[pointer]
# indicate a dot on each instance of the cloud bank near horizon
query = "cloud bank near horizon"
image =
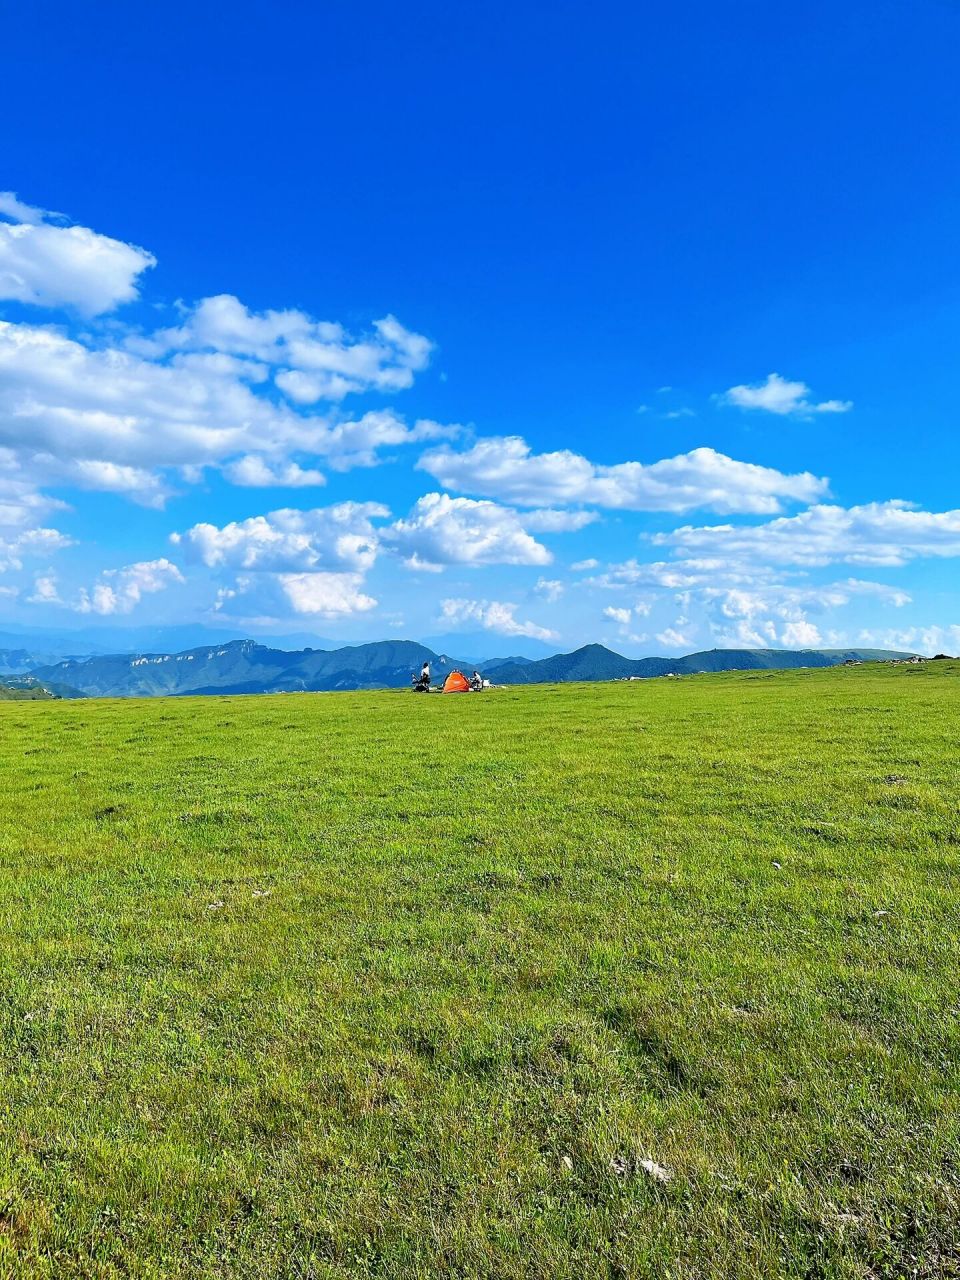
(99, 398)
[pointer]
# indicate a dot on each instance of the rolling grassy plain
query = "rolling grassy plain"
(379, 985)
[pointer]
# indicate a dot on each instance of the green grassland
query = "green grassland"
(379, 985)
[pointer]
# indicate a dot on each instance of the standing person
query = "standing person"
(476, 682)
(425, 675)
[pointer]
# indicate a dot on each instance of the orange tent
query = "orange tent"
(456, 682)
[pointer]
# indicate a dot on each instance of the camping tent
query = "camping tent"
(456, 682)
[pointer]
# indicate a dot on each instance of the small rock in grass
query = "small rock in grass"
(214, 906)
(778, 866)
(566, 1164)
(621, 1167)
(262, 893)
(656, 1171)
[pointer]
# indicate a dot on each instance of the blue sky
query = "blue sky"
(557, 323)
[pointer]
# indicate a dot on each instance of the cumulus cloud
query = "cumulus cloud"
(548, 520)
(922, 639)
(12, 207)
(116, 590)
(326, 538)
(252, 472)
(329, 595)
(781, 396)
(443, 530)
(64, 266)
(315, 359)
(672, 638)
(505, 468)
(550, 588)
(493, 615)
(33, 542)
(801, 635)
(45, 590)
(121, 421)
(20, 502)
(877, 533)
(622, 616)
(225, 387)
(633, 573)
(265, 599)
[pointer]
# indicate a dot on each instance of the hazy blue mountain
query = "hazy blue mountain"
(243, 666)
(595, 662)
(21, 660)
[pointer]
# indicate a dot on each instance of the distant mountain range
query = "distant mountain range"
(594, 662)
(243, 666)
(20, 660)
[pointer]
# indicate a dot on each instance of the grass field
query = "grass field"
(374, 985)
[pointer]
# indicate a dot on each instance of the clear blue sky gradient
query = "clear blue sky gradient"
(579, 205)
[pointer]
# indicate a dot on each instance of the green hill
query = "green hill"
(28, 693)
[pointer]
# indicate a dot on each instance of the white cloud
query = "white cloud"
(671, 638)
(790, 602)
(226, 387)
(443, 530)
(64, 405)
(329, 595)
(356, 443)
(548, 520)
(929, 640)
(269, 597)
(493, 615)
(337, 537)
(632, 573)
(878, 533)
(116, 591)
(505, 468)
(11, 207)
(315, 359)
(56, 266)
(778, 395)
(20, 502)
(744, 633)
(120, 590)
(33, 542)
(622, 616)
(584, 566)
(45, 590)
(252, 471)
(800, 635)
(550, 588)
